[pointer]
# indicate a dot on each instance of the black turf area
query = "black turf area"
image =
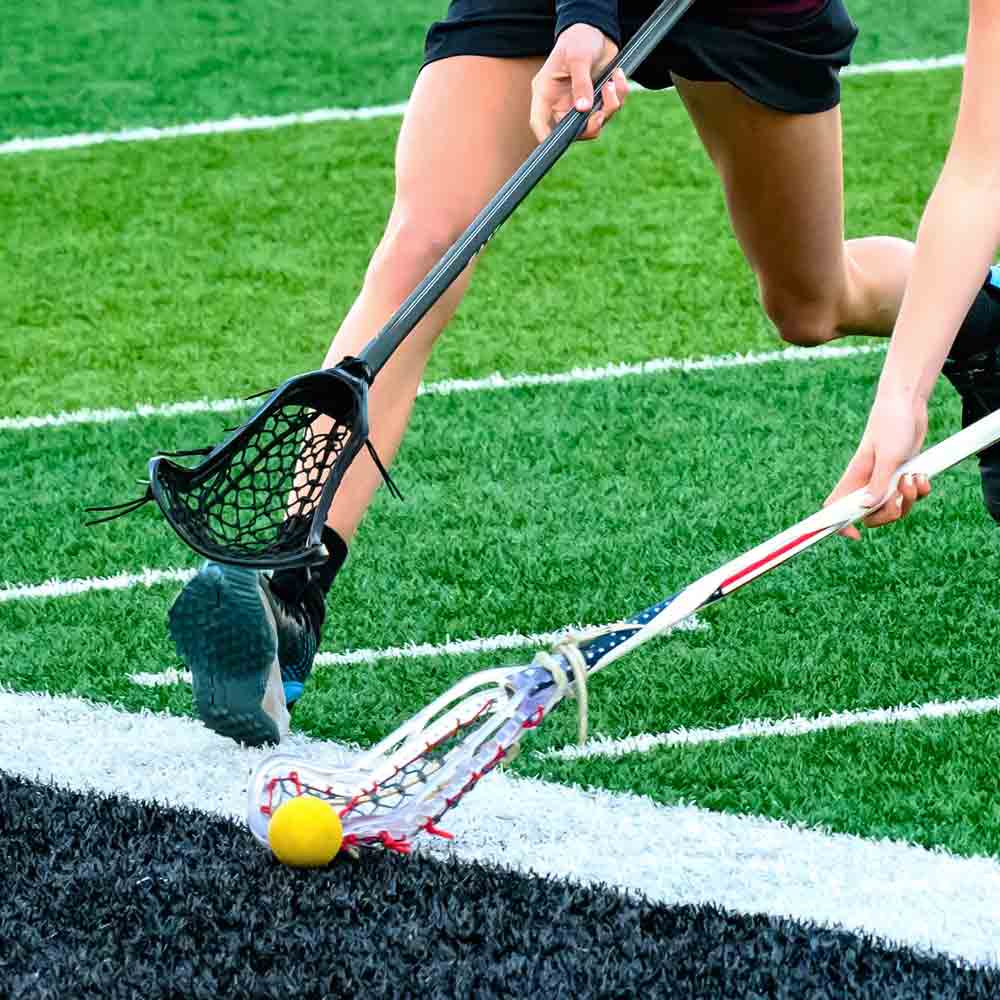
(105, 897)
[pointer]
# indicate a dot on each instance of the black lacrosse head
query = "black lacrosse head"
(260, 498)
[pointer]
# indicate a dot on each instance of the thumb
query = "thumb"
(582, 85)
(882, 479)
(857, 474)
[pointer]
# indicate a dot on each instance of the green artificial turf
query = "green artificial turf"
(118, 63)
(628, 491)
(218, 266)
(215, 266)
(931, 782)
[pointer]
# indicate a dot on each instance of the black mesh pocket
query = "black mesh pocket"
(260, 497)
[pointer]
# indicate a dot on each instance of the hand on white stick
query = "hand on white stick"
(896, 429)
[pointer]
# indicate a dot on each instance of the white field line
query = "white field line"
(670, 854)
(113, 414)
(414, 651)
(603, 746)
(445, 387)
(411, 651)
(71, 588)
(955, 61)
(256, 123)
(252, 123)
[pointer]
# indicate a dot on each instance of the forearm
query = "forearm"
(601, 14)
(956, 245)
(960, 230)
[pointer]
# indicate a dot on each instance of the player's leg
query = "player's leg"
(465, 133)
(783, 182)
(250, 640)
(772, 128)
(763, 92)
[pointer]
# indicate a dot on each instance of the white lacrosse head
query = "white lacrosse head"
(409, 780)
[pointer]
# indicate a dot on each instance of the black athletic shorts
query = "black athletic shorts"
(786, 61)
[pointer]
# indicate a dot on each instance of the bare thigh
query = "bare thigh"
(782, 175)
(464, 133)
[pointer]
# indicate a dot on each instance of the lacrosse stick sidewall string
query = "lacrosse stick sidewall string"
(575, 688)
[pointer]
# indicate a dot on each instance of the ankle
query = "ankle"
(290, 583)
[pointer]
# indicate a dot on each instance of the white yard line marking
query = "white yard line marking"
(603, 746)
(495, 382)
(71, 588)
(253, 123)
(413, 651)
(113, 414)
(257, 123)
(671, 854)
(955, 61)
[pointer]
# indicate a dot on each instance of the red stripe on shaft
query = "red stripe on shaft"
(769, 558)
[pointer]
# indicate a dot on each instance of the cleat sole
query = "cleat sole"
(224, 632)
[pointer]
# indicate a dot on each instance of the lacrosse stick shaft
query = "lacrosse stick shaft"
(515, 190)
(851, 508)
(614, 641)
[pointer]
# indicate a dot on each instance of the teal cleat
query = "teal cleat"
(249, 651)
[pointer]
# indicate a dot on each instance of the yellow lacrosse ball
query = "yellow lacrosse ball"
(305, 832)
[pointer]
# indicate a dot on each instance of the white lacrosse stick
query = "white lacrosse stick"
(406, 783)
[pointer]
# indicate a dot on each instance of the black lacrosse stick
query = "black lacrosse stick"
(261, 497)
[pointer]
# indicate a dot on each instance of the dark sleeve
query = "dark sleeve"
(601, 14)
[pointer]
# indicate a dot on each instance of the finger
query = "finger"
(908, 495)
(613, 94)
(621, 85)
(883, 479)
(540, 117)
(856, 475)
(580, 83)
(889, 511)
(611, 101)
(539, 125)
(594, 125)
(880, 483)
(914, 489)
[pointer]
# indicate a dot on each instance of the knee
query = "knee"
(800, 319)
(412, 245)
